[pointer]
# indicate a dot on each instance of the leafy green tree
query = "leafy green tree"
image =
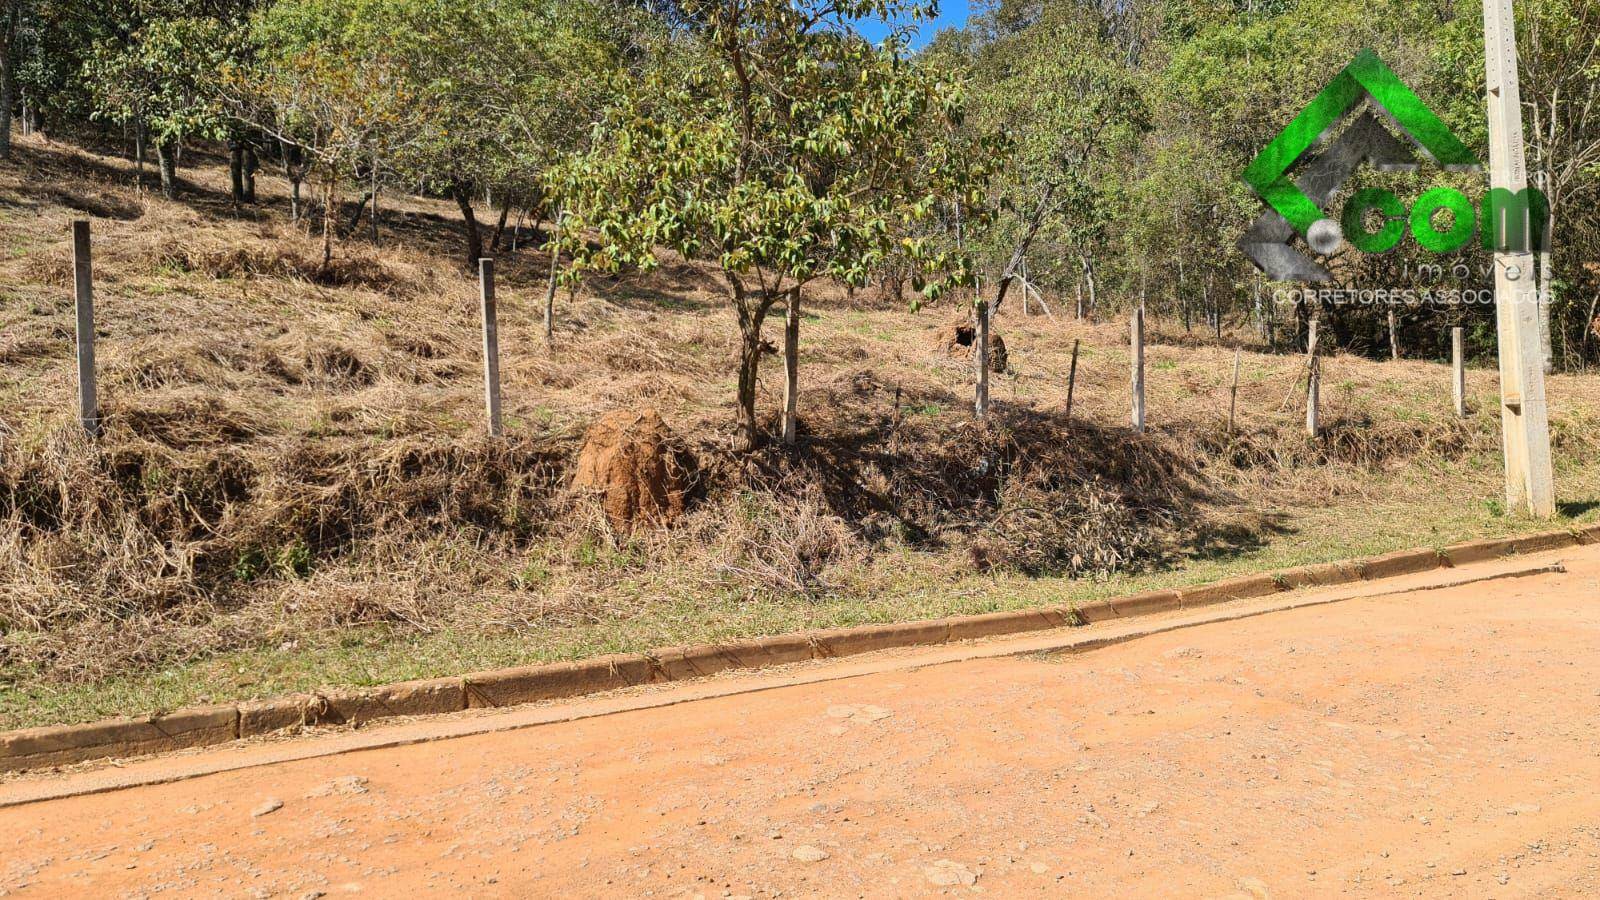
(465, 96)
(312, 84)
(1071, 108)
(161, 81)
(1558, 43)
(783, 147)
(500, 89)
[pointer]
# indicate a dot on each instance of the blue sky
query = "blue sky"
(952, 14)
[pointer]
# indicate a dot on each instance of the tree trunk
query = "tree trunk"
(462, 192)
(361, 209)
(500, 228)
(1216, 310)
(1094, 294)
(1258, 313)
(8, 73)
(751, 312)
(1546, 273)
(328, 213)
(749, 361)
(1394, 336)
(167, 161)
(750, 319)
(251, 163)
(372, 220)
(550, 290)
(294, 170)
(791, 367)
(1183, 298)
(236, 172)
(138, 156)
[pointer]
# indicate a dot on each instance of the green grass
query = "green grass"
(903, 588)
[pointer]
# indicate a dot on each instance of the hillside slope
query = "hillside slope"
(294, 488)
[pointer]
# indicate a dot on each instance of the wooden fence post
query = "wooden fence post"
(1136, 347)
(491, 344)
(1072, 379)
(1458, 362)
(1233, 392)
(83, 283)
(980, 353)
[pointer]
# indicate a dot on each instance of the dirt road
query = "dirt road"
(1443, 742)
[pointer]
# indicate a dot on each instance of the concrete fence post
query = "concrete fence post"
(491, 345)
(1458, 362)
(1136, 351)
(83, 283)
(1313, 380)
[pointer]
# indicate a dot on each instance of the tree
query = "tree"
(10, 58)
(784, 147)
(315, 85)
(161, 81)
(1558, 45)
(466, 96)
(1071, 110)
(502, 89)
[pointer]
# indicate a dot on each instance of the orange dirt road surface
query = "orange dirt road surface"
(1437, 742)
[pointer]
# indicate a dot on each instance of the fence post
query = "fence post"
(980, 353)
(1136, 342)
(1233, 392)
(1072, 379)
(1458, 361)
(83, 283)
(491, 344)
(1313, 378)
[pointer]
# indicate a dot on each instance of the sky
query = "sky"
(952, 14)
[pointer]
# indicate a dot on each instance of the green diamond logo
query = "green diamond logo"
(1366, 77)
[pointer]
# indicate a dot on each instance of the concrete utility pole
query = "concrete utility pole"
(1524, 419)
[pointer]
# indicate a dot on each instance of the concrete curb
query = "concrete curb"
(203, 726)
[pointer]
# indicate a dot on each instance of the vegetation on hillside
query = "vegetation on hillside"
(293, 464)
(1124, 126)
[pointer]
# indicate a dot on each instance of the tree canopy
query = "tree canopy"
(783, 147)
(1066, 145)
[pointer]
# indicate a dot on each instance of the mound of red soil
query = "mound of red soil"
(633, 463)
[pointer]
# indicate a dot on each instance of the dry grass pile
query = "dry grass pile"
(174, 518)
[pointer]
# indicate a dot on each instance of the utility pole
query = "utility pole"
(1524, 419)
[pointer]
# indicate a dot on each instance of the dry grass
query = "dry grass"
(292, 452)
